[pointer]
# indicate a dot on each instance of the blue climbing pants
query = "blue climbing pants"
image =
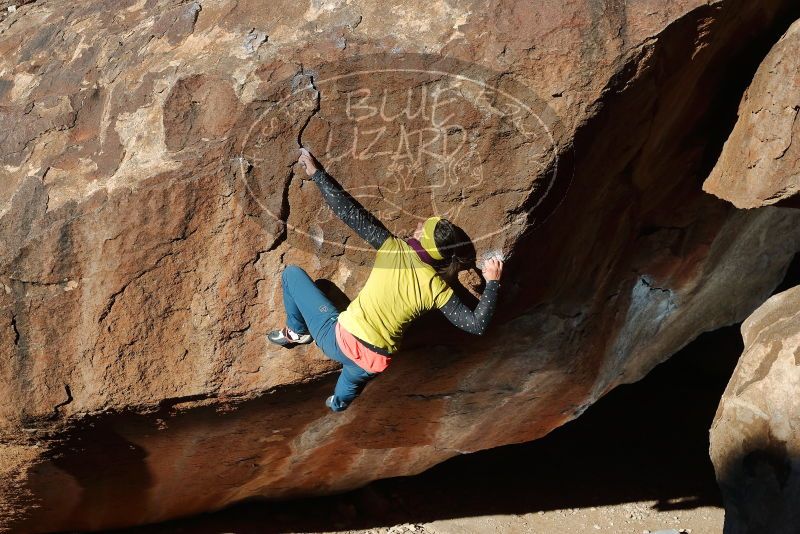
(309, 311)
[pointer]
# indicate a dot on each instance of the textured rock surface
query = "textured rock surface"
(148, 202)
(755, 437)
(760, 163)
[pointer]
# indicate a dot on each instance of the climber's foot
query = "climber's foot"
(335, 408)
(285, 337)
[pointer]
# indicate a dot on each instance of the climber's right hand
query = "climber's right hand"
(308, 162)
(492, 269)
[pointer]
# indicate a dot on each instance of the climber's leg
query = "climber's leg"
(351, 382)
(308, 310)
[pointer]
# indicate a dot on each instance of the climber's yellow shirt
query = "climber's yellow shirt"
(400, 288)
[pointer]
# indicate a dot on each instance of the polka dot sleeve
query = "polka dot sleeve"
(473, 322)
(350, 211)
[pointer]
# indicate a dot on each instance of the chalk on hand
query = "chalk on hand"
(492, 254)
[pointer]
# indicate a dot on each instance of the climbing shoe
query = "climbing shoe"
(339, 407)
(286, 338)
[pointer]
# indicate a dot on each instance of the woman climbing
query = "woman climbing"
(408, 278)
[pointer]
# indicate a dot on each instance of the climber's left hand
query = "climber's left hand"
(308, 162)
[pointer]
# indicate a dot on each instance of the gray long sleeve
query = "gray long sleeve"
(475, 322)
(350, 211)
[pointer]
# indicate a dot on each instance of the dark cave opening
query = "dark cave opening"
(792, 276)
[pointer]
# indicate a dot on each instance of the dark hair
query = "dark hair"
(455, 247)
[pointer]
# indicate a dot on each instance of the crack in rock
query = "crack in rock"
(62, 404)
(316, 102)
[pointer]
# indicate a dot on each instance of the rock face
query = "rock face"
(760, 163)
(755, 437)
(148, 203)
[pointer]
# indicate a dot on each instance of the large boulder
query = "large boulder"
(760, 162)
(148, 203)
(755, 437)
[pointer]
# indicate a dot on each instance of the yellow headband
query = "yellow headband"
(427, 240)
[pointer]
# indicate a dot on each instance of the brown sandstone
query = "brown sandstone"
(754, 444)
(760, 163)
(148, 203)
(755, 440)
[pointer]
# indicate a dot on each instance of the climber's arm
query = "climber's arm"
(350, 211)
(343, 205)
(474, 322)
